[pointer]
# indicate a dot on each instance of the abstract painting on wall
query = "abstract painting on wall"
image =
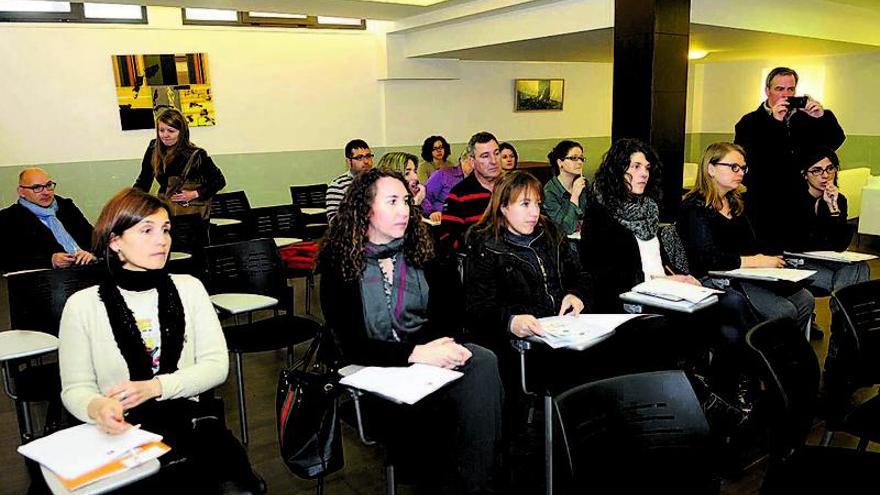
(538, 94)
(148, 84)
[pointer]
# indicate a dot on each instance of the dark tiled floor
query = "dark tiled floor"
(364, 472)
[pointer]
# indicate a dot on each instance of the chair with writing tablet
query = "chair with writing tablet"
(310, 199)
(245, 277)
(229, 214)
(854, 363)
(638, 433)
(189, 236)
(30, 368)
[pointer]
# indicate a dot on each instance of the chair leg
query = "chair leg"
(548, 444)
(390, 481)
(242, 409)
(863, 444)
(310, 282)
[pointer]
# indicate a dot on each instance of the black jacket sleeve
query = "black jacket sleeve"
(487, 316)
(574, 279)
(827, 231)
(144, 180)
(610, 258)
(704, 252)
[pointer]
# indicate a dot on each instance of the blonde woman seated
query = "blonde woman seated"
(140, 347)
(405, 165)
(717, 235)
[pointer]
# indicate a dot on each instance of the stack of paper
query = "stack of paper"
(580, 331)
(673, 295)
(407, 385)
(769, 274)
(838, 256)
(83, 454)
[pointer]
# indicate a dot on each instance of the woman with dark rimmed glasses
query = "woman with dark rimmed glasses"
(717, 235)
(820, 223)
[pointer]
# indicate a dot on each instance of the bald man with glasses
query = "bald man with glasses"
(43, 230)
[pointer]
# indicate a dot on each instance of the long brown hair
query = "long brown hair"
(343, 246)
(124, 210)
(507, 190)
(705, 185)
(163, 155)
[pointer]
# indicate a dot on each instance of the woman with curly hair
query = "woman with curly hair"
(376, 266)
(187, 176)
(435, 153)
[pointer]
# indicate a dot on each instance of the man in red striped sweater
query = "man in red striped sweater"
(469, 198)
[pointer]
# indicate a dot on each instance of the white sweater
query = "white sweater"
(91, 362)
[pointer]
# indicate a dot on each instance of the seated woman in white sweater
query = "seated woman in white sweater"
(141, 346)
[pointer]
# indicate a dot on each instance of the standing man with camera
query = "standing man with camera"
(774, 135)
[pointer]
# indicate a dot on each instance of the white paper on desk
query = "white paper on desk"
(672, 290)
(408, 385)
(579, 331)
(840, 256)
(773, 274)
(74, 451)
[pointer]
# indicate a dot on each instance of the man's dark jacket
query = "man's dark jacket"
(29, 244)
(774, 179)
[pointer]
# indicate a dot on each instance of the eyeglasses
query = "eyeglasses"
(358, 158)
(576, 158)
(38, 188)
(817, 171)
(734, 167)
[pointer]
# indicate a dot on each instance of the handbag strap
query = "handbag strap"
(190, 162)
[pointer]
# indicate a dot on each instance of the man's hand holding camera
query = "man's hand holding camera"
(807, 103)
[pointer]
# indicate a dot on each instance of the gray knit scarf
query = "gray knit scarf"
(641, 216)
(403, 311)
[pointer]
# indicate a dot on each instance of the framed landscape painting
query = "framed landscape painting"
(538, 94)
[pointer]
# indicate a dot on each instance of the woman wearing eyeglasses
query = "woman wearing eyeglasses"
(186, 174)
(820, 223)
(435, 153)
(566, 194)
(717, 235)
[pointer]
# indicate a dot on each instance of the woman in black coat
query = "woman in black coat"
(185, 172)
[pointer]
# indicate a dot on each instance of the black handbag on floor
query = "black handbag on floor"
(307, 416)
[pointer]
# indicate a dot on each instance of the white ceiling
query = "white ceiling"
(723, 44)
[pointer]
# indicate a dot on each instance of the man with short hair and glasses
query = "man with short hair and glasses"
(45, 230)
(820, 223)
(773, 135)
(359, 158)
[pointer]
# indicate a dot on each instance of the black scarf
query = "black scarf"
(125, 331)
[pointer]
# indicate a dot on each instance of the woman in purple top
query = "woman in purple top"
(440, 183)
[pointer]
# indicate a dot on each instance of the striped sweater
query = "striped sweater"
(335, 192)
(464, 206)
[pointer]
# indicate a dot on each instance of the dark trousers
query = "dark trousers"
(449, 439)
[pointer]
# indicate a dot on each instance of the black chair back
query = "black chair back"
(231, 205)
(275, 221)
(310, 196)
(37, 299)
(189, 233)
(855, 329)
(252, 267)
(789, 374)
(636, 433)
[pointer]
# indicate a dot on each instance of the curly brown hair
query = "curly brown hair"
(342, 249)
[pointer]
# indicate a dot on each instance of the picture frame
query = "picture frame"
(531, 95)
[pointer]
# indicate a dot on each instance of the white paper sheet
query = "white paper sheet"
(672, 290)
(580, 331)
(407, 385)
(771, 274)
(839, 256)
(74, 451)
